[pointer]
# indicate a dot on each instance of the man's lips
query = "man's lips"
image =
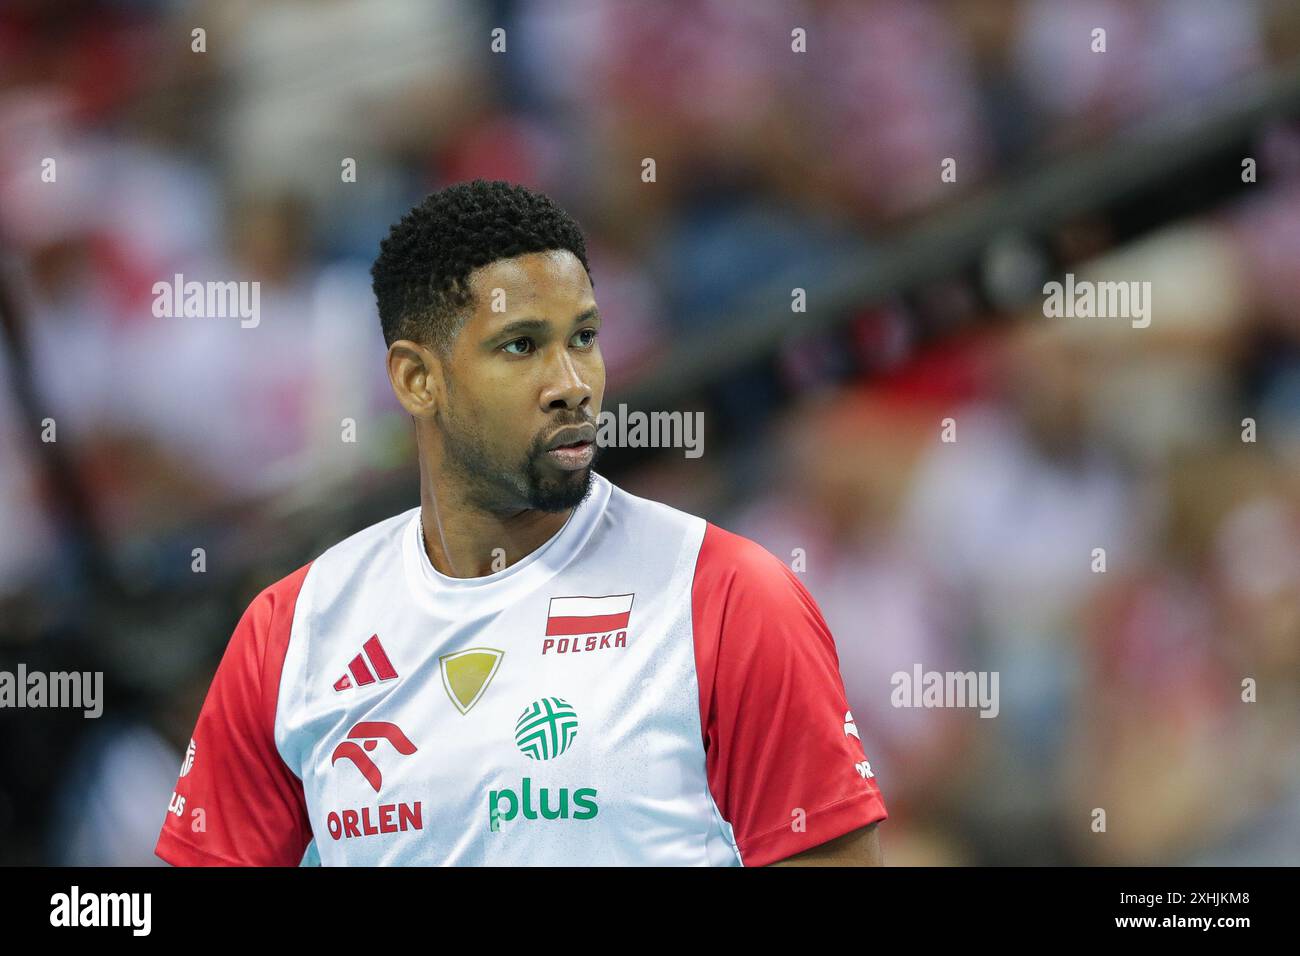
(573, 457)
(573, 447)
(572, 436)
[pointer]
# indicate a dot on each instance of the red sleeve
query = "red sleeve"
(778, 735)
(236, 802)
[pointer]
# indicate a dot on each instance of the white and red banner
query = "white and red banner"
(588, 615)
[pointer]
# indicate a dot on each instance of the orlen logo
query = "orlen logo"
(388, 817)
(392, 817)
(371, 732)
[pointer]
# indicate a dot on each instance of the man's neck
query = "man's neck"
(465, 542)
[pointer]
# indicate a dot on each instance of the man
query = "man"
(533, 666)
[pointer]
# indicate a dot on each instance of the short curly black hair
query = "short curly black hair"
(421, 275)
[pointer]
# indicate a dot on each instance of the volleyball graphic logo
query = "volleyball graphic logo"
(546, 728)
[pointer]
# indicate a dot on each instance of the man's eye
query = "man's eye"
(592, 333)
(517, 342)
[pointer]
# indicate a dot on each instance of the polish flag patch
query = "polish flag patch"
(370, 665)
(568, 616)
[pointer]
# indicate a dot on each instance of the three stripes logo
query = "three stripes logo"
(546, 728)
(359, 673)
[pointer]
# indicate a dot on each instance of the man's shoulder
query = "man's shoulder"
(722, 553)
(649, 515)
(380, 536)
(736, 570)
(353, 554)
(723, 549)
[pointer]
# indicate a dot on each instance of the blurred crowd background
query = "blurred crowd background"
(1120, 690)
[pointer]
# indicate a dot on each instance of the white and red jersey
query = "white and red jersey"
(645, 688)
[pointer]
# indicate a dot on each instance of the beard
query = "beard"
(506, 487)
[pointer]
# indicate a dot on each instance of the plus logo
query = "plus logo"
(370, 732)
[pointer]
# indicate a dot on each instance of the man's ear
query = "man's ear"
(415, 371)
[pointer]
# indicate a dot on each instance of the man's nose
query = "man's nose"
(566, 385)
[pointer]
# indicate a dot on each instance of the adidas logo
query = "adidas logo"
(359, 674)
(850, 728)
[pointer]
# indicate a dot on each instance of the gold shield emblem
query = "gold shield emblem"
(466, 674)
